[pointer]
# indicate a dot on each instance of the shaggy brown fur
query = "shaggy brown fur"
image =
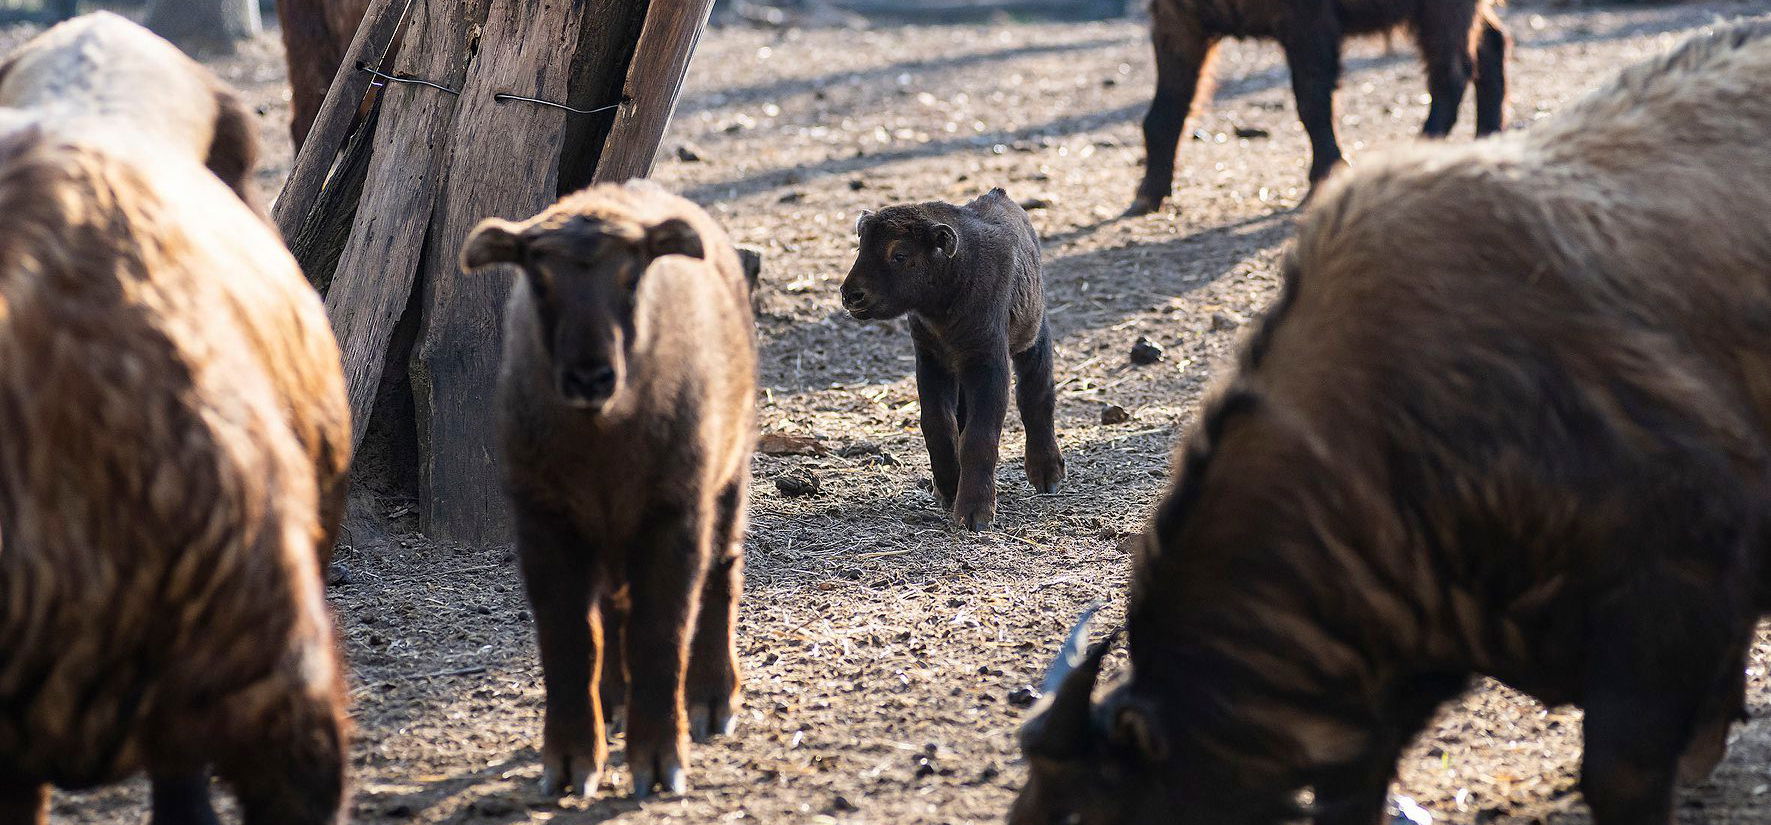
(627, 407)
(101, 79)
(1459, 39)
(104, 81)
(316, 34)
(969, 277)
(168, 383)
(1511, 417)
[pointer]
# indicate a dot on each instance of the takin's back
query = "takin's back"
(1622, 238)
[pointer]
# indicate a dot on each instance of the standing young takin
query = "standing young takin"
(1460, 40)
(969, 277)
(1510, 417)
(626, 418)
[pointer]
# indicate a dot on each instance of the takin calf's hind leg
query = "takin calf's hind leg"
(1491, 75)
(713, 682)
(1036, 396)
(1444, 36)
(666, 568)
(1313, 52)
(612, 612)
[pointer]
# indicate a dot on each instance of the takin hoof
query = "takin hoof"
(975, 516)
(944, 498)
(1707, 749)
(1046, 473)
(656, 769)
(1144, 205)
(570, 771)
(710, 719)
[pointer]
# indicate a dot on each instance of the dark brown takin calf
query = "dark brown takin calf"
(1512, 417)
(969, 278)
(626, 419)
(1459, 39)
(173, 431)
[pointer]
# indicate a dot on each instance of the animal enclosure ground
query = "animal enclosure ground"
(883, 650)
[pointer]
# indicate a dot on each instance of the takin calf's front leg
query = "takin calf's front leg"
(983, 387)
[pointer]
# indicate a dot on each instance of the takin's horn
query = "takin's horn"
(1072, 653)
(1062, 727)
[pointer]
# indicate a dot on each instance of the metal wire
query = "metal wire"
(503, 96)
(391, 78)
(500, 96)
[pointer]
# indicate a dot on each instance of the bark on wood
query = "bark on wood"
(660, 61)
(376, 271)
(315, 160)
(501, 161)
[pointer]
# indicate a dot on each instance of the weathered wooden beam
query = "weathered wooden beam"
(599, 78)
(380, 263)
(320, 241)
(313, 164)
(654, 78)
(501, 160)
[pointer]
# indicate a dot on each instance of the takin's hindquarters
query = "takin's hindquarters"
(161, 604)
(627, 406)
(1460, 41)
(1511, 417)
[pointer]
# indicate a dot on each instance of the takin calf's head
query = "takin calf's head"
(906, 252)
(584, 273)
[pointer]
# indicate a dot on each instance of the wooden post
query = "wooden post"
(503, 162)
(653, 80)
(380, 263)
(313, 164)
(442, 160)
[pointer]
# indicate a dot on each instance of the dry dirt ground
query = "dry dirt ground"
(881, 647)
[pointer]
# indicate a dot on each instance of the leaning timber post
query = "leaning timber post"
(478, 137)
(502, 160)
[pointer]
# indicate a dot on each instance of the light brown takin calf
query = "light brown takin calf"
(1511, 417)
(626, 419)
(173, 437)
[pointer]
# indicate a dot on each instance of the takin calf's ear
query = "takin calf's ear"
(946, 240)
(494, 241)
(674, 236)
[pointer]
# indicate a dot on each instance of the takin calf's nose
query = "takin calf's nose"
(853, 295)
(588, 384)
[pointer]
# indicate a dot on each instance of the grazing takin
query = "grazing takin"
(1510, 417)
(626, 422)
(316, 34)
(1459, 39)
(172, 425)
(969, 278)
